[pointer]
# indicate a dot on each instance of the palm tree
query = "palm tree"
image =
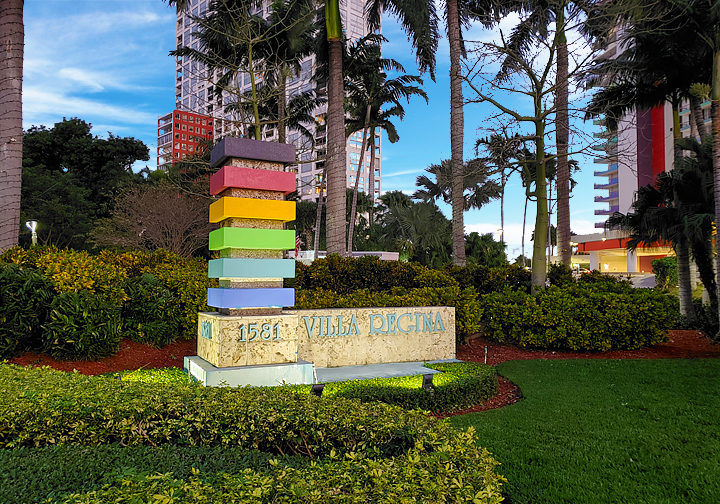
(335, 161)
(12, 37)
(481, 189)
(368, 91)
(420, 20)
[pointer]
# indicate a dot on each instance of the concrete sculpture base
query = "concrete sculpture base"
(268, 375)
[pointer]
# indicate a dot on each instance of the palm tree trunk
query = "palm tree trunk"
(684, 287)
(703, 260)
(522, 242)
(12, 37)
(562, 128)
(503, 180)
(715, 110)
(318, 216)
(372, 177)
(456, 134)
(282, 97)
(697, 116)
(336, 204)
(539, 264)
(353, 207)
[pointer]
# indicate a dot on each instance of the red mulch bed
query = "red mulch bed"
(682, 345)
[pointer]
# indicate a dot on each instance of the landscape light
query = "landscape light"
(317, 389)
(32, 226)
(427, 381)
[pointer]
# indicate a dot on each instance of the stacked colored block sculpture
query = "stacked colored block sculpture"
(249, 327)
(251, 211)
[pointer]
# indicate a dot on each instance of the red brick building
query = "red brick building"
(182, 134)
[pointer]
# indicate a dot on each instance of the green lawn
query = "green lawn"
(595, 431)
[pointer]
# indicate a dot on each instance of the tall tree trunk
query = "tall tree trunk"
(682, 250)
(703, 259)
(562, 133)
(696, 116)
(539, 264)
(353, 207)
(282, 98)
(456, 134)
(336, 197)
(503, 180)
(372, 177)
(522, 242)
(715, 113)
(684, 287)
(12, 40)
(318, 216)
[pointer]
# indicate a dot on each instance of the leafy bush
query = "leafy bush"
(42, 407)
(152, 314)
(451, 469)
(601, 317)
(560, 274)
(459, 386)
(189, 281)
(436, 279)
(707, 320)
(596, 277)
(73, 271)
(82, 326)
(467, 308)
(666, 273)
(347, 274)
(25, 298)
(33, 475)
(486, 280)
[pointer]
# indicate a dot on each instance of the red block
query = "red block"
(249, 178)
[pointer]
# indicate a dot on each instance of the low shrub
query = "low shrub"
(486, 280)
(600, 317)
(25, 299)
(707, 320)
(450, 468)
(467, 308)
(436, 279)
(42, 407)
(189, 282)
(36, 475)
(347, 274)
(666, 273)
(560, 274)
(82, 326)
(459, 386)
(152, 314)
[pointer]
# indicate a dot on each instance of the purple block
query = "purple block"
(231, 147)
(250, 298)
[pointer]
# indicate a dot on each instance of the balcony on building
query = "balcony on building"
(610, 184)
(164, 140)
(608, 211)
(612, 170)
(610, 197)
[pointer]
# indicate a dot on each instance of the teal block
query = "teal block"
(251, 268)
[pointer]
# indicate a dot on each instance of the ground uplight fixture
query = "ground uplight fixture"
(32, 226)
(427, 381)
(317, 389)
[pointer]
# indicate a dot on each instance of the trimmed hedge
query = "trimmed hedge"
(467, 308)
(344, 450)
(152, 314)
(42, 407)
(450, 468)
(603, 316)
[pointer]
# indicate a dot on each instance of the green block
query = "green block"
(249, 238)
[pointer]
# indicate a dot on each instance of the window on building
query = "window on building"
(177, 116)
(177, 125)
(191, 148)
(306, 70)
(307, 167)
(177, 136)
(184, 127)
(184, 146)
(177, 145)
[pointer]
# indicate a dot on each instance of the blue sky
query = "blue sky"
(106, 61)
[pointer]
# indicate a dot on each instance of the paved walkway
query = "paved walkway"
(368, 371)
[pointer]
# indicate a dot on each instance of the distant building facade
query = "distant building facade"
(194, 94)
(182, 134)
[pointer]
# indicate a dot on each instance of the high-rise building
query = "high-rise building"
(182, 134)
(194, 93)
(631, 156)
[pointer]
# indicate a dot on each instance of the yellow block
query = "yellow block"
(248, 208)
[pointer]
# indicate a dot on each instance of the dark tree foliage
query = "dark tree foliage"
(70, 177)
